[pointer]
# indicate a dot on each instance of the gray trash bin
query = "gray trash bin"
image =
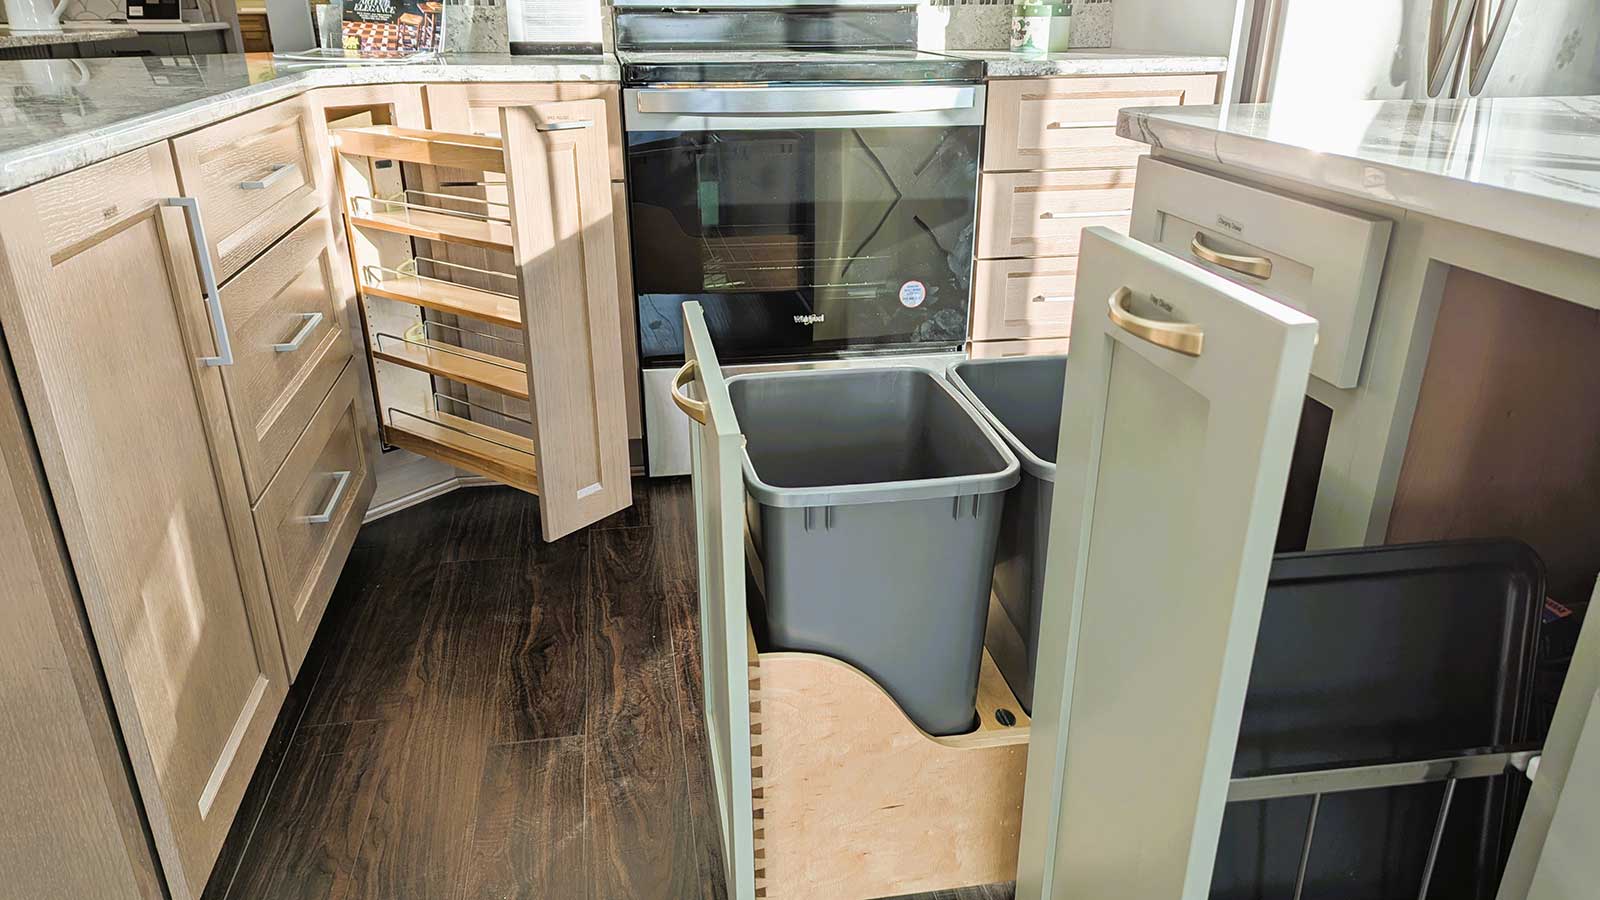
(1021, 397)
(875, 498)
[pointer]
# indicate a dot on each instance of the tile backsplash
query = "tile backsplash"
(986, 24)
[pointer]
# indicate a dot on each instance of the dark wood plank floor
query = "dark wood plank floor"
(484, 715)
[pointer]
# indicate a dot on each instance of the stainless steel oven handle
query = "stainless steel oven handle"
(805, 100)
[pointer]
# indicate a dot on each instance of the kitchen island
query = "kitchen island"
(1468, 402)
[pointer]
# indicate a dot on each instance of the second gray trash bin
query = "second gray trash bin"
(1021, 397)
(875, 500)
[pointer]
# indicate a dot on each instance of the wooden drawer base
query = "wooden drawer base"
(852, 800)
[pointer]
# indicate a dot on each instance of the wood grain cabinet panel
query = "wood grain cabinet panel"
(1027, 214)
(309, 515)
(475, 108)
(1023, 298)
(104, 318)
(255, 175)
(286, 312)
(1071, 123)
(1003, 349)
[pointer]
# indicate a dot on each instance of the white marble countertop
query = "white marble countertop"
(71, 33)
(60, 115)
(1528, 167)
(1106, 61)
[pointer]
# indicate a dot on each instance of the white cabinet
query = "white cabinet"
(1183, 394)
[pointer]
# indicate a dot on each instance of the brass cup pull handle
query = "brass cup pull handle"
(1179, 337)
(1254, 266)
(698, 410)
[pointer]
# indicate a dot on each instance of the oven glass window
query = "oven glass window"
(806, 242)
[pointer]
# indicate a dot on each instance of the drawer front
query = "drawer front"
(308, 517)
(1003, 349)
(1029, 214)
(1023, 298)
(286, 315)
(1325, 261)
(255, 176)
(1068, 123)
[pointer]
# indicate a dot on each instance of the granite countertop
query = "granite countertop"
(70, 34)
(1108, 61)
(61, 115)
(1527, 167)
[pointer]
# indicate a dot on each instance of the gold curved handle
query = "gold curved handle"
(698, 410)
(1254, 266)
(1179, 337)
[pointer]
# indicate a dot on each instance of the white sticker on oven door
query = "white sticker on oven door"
(912, 293)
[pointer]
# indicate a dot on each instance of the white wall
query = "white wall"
(1183, 26)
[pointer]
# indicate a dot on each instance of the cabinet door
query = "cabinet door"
(105, 320)
(716, 451)
(475, 108)
(1177, 428)
(566, 256)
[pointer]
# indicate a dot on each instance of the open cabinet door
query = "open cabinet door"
(559, 192)
(1556, 855)
(716, 455)
(1179, 419)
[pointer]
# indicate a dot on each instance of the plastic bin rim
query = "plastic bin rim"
(1038, 467)
(995, 482)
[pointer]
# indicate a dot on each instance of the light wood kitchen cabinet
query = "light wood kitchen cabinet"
(475, 109)
(1017, 299)
(1033, 214)
(108, 328)
(1071, 123)
(309, 516)
(256, 176)
(287, 313)
(75, 817)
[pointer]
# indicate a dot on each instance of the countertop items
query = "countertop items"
(1524, 167)
(53, 120)
(69, 34)
(1106, 61)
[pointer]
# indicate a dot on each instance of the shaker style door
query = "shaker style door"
(1183, 395)
(717, 453)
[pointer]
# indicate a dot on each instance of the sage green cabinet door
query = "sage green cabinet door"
(1183, 396)
(716, 456)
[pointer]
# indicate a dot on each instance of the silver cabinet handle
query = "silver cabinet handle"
(279, 172)
(312, 320)
(1040, 298)
(566, 126)
(326, 516)
(208, 280)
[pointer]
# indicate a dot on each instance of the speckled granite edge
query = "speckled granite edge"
(36, 162)
(10, 40)
(1005, 64)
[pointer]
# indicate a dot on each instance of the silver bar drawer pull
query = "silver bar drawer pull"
(279, 172)
(1040, 298)
(566, 126)
(326, 516)
(208, 280)
(312, 320)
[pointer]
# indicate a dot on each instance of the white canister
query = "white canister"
(1041, 27)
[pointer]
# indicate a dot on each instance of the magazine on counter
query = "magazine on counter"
(393, 28)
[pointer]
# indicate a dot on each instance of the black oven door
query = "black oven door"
(808, 221)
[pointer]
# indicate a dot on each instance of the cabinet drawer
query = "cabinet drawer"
(1002, 349)
(1069, 123)
(255, 176)
(1322, 260)
(308, 517)
(475, 108)
(1023, 298)
(1029, 214)
(286, 315)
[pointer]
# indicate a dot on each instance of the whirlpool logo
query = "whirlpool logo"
(810, 319)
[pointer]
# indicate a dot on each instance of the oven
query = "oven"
(812, 222)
